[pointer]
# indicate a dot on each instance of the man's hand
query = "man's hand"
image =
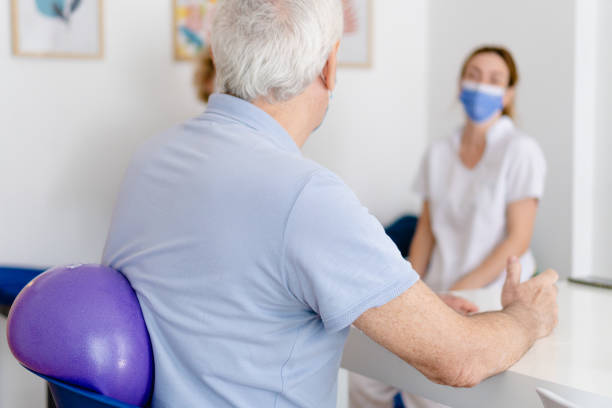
(458, 304)
(533, 302)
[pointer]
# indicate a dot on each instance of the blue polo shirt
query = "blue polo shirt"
(250, 262)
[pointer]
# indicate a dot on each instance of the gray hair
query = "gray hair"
(273, 49)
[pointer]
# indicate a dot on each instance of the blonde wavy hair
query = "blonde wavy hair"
(204, 78)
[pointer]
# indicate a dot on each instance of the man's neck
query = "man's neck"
(291, 115)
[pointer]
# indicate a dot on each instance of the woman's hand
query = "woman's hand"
(467, 282)
(458, 304)
(472, 280)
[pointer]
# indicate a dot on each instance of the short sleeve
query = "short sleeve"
(337, 258)
(526, 170)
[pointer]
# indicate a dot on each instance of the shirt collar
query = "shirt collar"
(253, 117)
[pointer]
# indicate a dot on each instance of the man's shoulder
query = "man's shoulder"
(152, 145)
(255, 161)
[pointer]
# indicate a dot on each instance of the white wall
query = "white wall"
(602, 237)
(70, 126)
(375, 132)
(585, 135)
(541, 36)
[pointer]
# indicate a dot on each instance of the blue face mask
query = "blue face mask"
(331, 96)
(481, 101)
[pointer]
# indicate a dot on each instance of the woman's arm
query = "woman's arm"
(420, 253)
(422, 243)
(520, 219)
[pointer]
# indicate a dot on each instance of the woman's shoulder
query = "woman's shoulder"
(520, 142)
(522, 147)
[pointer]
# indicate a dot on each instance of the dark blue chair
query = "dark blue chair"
(68, 396)
(401, 232)
(12, 280)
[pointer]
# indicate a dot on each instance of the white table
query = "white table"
(575, 362)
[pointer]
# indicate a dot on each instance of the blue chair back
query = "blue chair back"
(68, 396)
(12, 280)
(401, 232)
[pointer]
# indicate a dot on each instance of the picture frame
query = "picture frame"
(58, 28)
(356, 47)
(191, 25)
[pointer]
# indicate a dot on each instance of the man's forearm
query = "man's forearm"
(457, 350)
(502, 338)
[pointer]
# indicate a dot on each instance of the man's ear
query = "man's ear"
(329, 71)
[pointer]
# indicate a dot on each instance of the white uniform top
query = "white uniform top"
(468, 206)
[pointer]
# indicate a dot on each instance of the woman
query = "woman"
(481, 188)
(204, 78)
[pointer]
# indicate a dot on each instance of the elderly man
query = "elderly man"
(251, 262)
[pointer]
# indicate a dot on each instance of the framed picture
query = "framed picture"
(57, 28)
(192, 25)
(356, 46)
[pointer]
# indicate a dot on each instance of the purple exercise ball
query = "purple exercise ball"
(83, 325)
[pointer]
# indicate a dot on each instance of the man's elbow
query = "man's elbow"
(461, 374)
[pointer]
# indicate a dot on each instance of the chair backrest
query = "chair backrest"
(13, 279)
(70, 396)
(401, 232)
(81, 327)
